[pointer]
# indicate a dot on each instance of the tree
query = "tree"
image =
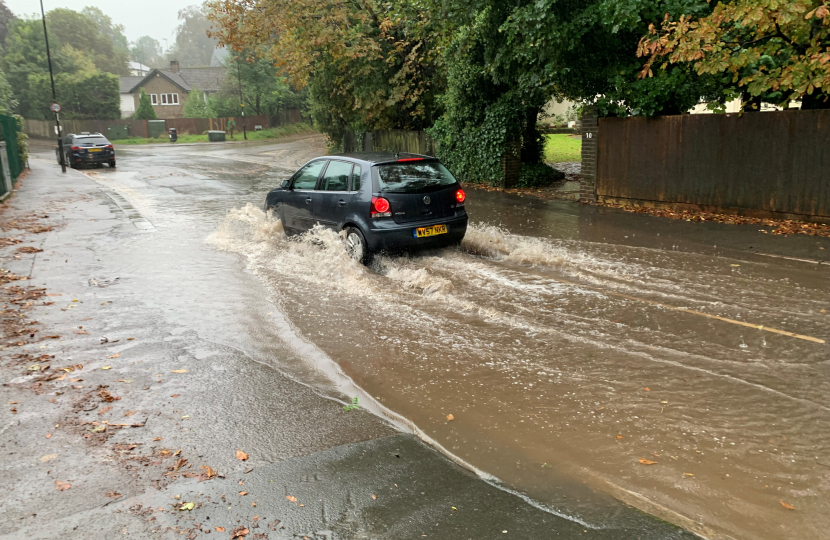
(770, 51)
(145, 109)
(83, 33)
(367, 64)
(6, 17)
(193, 47)
(114, 32)
(8, 104)
(147, 51)
(196, 105)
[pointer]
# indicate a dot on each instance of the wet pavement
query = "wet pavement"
(574, 357)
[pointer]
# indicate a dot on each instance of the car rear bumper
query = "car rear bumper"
(400, 237)
(93, 158)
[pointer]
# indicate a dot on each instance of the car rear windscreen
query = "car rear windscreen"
(414, 177)
(91, 141)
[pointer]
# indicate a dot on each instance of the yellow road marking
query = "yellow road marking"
(707, 315)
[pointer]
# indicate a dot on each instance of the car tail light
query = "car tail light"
(76, 148)
(108, 147)
(460, 196)
(411, 159)
(380, 207)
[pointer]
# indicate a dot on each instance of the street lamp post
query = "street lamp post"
(241, 99)
(55, 107)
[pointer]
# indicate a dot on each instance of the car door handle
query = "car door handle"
(341, 202)
(308, 200)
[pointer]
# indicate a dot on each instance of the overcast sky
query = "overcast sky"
(156, 18)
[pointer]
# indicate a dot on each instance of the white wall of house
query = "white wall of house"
(127, 105)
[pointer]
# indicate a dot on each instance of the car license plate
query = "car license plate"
(94, 149)
(423, 232)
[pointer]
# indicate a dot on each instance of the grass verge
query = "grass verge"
(561, 148)
(272, 133)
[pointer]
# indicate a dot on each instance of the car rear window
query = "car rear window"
(91, 141)
(414, 177)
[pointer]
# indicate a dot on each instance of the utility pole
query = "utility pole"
(55, 107)
(241, 98)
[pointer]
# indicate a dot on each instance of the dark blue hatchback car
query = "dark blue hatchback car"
(383, 201)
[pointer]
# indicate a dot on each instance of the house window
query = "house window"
(170, 99)
(154, 99)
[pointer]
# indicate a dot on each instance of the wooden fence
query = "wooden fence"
(773, 162)
(390, 140)
(45, 129)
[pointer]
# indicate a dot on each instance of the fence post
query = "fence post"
(590, 143)
(511, 165)
(7, 175)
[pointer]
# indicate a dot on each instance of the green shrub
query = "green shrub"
(538, 175)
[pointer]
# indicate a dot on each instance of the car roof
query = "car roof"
(377, 157)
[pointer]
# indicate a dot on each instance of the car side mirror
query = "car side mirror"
(286, 184)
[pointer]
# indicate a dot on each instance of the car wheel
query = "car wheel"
(356, 246)
(112, 164)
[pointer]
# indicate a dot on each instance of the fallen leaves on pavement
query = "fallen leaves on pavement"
(645, 461)
(116, 355)
(450, 418)
(787, 506)
(187, 506)
(62, 486)
(47, 457)
(239, 532)
(178, 371)
(782, 226)
(240, 455)
(220, 529)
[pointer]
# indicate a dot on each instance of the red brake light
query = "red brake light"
(76, 148)
(460, 196)
(380, 207)
(411, 159)
(108, 146)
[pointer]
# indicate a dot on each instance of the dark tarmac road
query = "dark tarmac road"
(540, 336)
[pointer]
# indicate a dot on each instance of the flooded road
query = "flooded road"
(683, 368)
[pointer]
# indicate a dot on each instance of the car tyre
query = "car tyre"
(112, 164)
(356, 246)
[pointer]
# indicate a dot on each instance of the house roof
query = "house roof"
(204, 79)
(127, 84)
(208, 79)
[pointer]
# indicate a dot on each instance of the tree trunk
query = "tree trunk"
(531, 138)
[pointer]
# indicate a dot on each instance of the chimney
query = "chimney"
(174, 66)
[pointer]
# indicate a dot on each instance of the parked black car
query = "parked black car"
(87, 148)
(384, 202)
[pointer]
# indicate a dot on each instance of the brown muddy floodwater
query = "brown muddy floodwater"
(566, 358)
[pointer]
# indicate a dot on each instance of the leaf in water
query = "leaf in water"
(787, 506)
(241, 455)
(646, 389)
(291, 498)
(116, 355)
(107, 367)
(374, 497)
(178, 371)
(62, 486)
(220, 529)
(187, 506)
(450, 418)
(645, 461)
(688, 474)
(619, 437)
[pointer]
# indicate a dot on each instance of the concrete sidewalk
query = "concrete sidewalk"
(125, 417)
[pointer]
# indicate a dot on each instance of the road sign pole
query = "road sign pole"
(54, 94)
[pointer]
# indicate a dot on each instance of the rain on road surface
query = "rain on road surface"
(567, 344)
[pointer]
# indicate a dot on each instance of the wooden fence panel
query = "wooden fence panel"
(775, 162)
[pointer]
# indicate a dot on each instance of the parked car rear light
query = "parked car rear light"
(460, 196)
(76, 148)
(380, 207)
(411, 159)
(108, 147)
